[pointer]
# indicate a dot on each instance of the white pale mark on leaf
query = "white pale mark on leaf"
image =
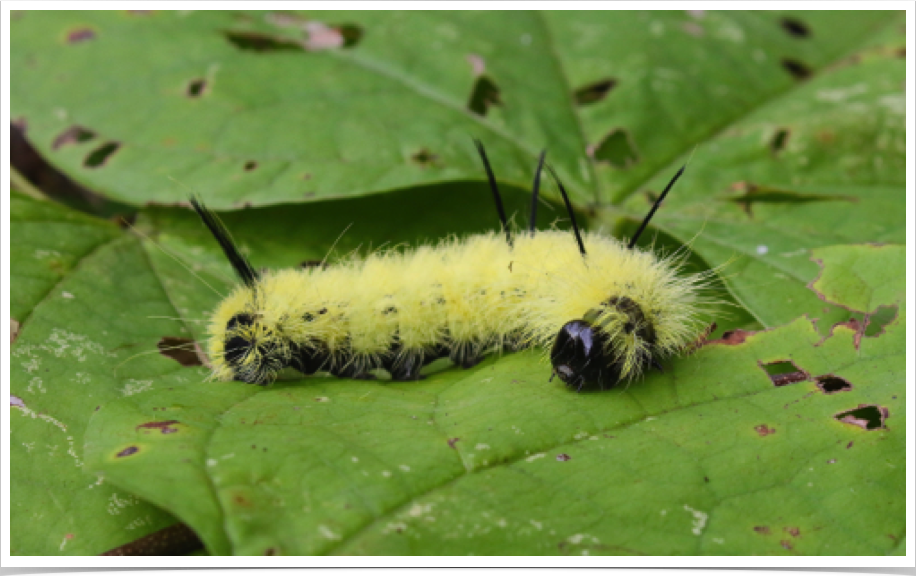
(762, 249)
(328, 533)
(534, 457)
(482, 446)
(699, 520)
(66, 295)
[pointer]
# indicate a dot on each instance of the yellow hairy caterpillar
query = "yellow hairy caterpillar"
(605, 310)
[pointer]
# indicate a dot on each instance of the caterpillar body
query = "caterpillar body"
(606, 311)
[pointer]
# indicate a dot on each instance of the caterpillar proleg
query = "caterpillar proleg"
(604, 311)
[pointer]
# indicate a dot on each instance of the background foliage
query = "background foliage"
(296, 126)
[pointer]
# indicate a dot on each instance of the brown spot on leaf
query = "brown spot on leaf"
(424, 158)
(764, 430)
(14, 329)
(128, 451)
(182, 350)
(793, 531)
(798, 69)
(165, 427)
(451, 442)
(785, 544)
(866, 416)
(80, 35)
(72, 135)
(100, 155)
(795, 27)
(563, 457)
(732, 338)
(762, 529)
(270, 552)
(250, 165)
(830, 384)
(594, 92)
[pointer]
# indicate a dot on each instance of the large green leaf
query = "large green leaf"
(82, 294)
(710, 458)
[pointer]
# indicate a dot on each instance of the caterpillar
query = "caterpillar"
(606, 311)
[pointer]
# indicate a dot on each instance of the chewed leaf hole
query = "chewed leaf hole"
(876, 323)
(799, 70)
(779, 140)
(260, 42)
(616, 149)
(196, 87)
(484, 94)
(784, 372)
(182, 350)
(100, 155)
(424, 157)
(795, 27)
(80, 35)
(831, 384)
(594, 92)
(866, 416)
(72, 135)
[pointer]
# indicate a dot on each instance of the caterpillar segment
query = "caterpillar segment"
(603, 311)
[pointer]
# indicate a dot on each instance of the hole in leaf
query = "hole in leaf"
(196, 87)
(250, 165)
(866, 416)
(128, 451)
(778, 143)
(876, 322)
(16, 401)
(799, 70)
(164, 427)
(784, 372)
(594, 92)
(830, 384)
(100, 155)
(72, 135)
(260, 42)
(181, 350)
(484, 94)
(424, 157)
(80, 35)
(795, 27)
(616, 149)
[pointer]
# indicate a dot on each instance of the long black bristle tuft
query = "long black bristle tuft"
(655, 207)
(495, 190)
(535, 188)
(572, 217)
(241, 265)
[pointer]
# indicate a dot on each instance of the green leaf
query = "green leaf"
(80, 293)
(709, 458)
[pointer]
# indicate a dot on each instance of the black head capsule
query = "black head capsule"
(251, 361)
(579, 359)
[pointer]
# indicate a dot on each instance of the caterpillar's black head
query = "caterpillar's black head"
(256, 354)
(584, 355)
(579, 358)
